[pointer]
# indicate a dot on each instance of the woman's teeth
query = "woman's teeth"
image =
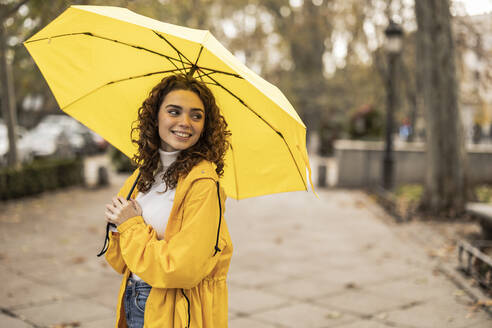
(182, 134)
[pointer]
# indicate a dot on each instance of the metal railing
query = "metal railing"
(475, 263)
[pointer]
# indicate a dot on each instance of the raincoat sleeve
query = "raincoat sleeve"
(189, 256)
(113, 254)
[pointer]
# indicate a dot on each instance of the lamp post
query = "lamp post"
(393, 45)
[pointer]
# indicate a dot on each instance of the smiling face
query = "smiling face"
(181, 119)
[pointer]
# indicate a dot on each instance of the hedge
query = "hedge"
(40, 175)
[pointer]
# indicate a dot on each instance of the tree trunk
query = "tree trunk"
(446, 183)
(8, 98)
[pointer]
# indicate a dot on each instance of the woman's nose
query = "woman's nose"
(185, 120)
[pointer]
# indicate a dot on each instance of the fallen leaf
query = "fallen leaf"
(351, 285)
(382, 316)
(78, 260)
(67, 325)
(333, 315)
(459, 292)
(486, 303)
(359, 204)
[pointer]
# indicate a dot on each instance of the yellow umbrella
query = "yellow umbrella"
(101, 63)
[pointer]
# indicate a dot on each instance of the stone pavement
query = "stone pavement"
(298, 261)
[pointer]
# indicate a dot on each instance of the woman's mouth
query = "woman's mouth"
(181, 135)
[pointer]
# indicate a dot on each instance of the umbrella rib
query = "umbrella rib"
(278, 132)
(206, 74)
(171, 59)
(198, 57)
(172, 46)
(240, 100)
(177, 68)
(143, 75)
(181, 61)
(212, 71)
(121, 80)
(195, 67)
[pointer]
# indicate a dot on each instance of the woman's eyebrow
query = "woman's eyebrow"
(179, 107)
(175, 106)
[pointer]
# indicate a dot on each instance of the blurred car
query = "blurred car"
(48, 140)
(63, 136)
(65, 127)
(24, 150)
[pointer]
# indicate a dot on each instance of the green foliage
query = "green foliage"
(366, 123)
(410, 193)
(484, 193)
(39, 176)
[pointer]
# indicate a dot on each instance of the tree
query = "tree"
(446, 183)
(7, 83)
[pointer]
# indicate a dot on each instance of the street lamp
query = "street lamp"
(393, 45)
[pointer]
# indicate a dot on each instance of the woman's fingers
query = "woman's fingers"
(110, 208)
(117, 202)
(110, 217)
(121, 210)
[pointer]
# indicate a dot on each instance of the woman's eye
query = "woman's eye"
(197, 116)
(173, 112)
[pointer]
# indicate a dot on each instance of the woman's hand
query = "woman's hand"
(121, 210)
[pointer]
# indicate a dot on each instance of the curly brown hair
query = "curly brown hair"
(211, 146)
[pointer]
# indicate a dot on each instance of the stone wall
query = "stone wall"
(359, 163)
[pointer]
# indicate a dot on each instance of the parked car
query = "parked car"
(46, 140)
(63, 136)
(64, 126)
(24, 150)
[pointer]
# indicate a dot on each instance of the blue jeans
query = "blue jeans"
(136, 294)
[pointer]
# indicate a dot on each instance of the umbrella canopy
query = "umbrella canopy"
(101, 63)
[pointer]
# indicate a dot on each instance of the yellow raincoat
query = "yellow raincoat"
(186, 271)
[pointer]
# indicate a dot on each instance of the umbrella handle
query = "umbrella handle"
(106, 240)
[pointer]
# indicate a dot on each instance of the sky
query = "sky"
(475, 7)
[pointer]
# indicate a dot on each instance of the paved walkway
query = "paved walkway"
(299, 261)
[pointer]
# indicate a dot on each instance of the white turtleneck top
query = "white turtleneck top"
(156, 204)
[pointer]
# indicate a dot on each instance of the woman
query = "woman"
(171, 244)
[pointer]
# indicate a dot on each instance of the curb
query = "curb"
(473, 292)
